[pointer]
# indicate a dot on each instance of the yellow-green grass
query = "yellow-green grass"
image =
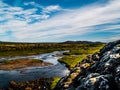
(17, 49)
(54, 82)
(71, 61)
(76, 55)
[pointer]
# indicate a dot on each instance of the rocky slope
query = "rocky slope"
(101, 71)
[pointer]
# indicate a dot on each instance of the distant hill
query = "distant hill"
(66, 42)
(81, 42)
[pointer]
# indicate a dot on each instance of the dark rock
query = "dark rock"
(102, 74)
(95, 81)
(117, 77)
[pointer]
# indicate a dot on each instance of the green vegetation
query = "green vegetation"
(34, 85)
(37, 84)
(21, 63)
(84, 49)
(78, 50)
(21, 49)
(54, 82)
(78, 53)
(71, 61)
(20, 60)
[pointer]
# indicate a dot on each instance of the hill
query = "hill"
(81, 42)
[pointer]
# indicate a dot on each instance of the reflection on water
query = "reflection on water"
(32, 73)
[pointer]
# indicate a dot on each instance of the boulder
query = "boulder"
(101, 71)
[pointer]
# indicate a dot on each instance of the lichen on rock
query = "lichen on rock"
(101, 71)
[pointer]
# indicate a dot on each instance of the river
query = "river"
(32, 73)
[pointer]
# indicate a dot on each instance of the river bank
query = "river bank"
(38, 84)
(99, 71)
(22, 63)
(34, 72)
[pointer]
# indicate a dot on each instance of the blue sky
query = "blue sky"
(59, 20)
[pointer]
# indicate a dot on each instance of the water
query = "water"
(32, 73)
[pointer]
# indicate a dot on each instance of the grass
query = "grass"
(18, 49)
(19, 61)
(34, 85)
(71, 61)
(54, 82)
(37, 84)
(77, 54)
(79, 50)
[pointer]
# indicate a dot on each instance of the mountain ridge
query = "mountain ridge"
(65, 42)
(82, 42)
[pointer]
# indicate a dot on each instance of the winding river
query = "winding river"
(32, 73)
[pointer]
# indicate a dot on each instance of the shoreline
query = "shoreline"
(22, 63)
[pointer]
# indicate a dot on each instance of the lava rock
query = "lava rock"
(101, 71)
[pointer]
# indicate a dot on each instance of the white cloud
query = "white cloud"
(51, 8)
(72, 22)
(45, 9)
(113, 38)
(30, 3)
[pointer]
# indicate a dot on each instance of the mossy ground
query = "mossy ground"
(76, 55)
(71, 61)
(21, 49)
(53, 82)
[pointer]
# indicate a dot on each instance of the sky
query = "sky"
(59, 20)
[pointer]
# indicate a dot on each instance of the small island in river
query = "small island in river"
(22, 63)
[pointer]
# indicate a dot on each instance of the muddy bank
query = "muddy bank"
(22, 63)
(38, 84)
(35, 71)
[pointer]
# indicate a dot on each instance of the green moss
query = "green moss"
(71, 61)
(54, 82)
(67, 53)
(81, 50)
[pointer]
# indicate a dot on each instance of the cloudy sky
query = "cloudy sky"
(59, 20)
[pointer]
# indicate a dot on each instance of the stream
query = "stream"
(32, 73)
